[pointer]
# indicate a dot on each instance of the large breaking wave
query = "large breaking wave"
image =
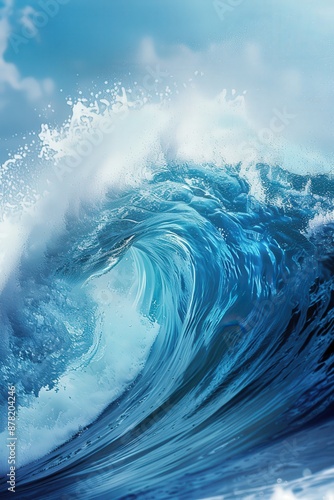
(166, 311)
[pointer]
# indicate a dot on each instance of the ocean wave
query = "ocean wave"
(167, 320)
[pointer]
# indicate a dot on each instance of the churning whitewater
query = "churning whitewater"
(167, 307)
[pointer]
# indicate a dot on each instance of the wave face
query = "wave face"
(174, 339)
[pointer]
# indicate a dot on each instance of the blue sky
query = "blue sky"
(278, 50)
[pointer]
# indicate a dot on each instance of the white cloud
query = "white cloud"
(10, 77)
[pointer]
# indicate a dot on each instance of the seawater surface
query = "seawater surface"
(167, 313)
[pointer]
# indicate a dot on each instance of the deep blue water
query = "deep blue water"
(235, 393)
